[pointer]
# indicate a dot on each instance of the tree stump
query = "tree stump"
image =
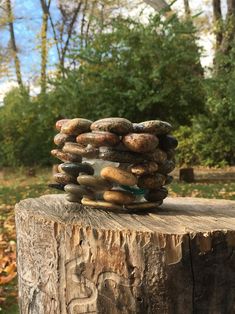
(186, 175)
(177, 259)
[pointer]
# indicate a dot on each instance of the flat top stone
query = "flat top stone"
(179, 215)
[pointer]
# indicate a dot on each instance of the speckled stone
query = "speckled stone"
(119, 197)
(94, 182)
(154, 181)
(156, 195)
(74, 169)
(57, 153)
(78, 149)
(154, 127)
(118, 175)
(159, 156)
(140, 143)
(73, 198)
(167, 167)
(78, 190)
(64, 178)
(144, 168)
(169, 179)
(167, 142)
(120, 156)
(76, 126)
(56, 186)
(60, 123)
(61, 138)
(119, 126)
(98, 139)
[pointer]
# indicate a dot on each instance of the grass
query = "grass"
(17, 185)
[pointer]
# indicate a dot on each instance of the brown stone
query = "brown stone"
(119, 197)
(118, 175)
(144, 168)
(98, 139)
(78, 190)
(73, 198)
(57, 153)
(167, 167)
(100, 204)
(143, 205)
(76, 126)
(159, 156)
(154, 126)
(61, 138)
(60, 123)
(119, 126)
(120, 156)
(64, 178)
(94, 182)
(151, 181)
(84, 151)
(140, 143)
(156, 195)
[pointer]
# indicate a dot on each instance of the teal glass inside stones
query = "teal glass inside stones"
(133, 190)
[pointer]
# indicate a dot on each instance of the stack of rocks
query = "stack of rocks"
(112, 163)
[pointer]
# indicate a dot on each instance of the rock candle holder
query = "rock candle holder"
(113, 163)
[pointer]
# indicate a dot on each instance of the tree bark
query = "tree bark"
(228, 36)
(187, 9)
(13, 45)
(176, 259)
(217, 16)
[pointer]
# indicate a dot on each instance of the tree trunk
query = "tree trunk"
(228, 36)
(218, 22)
(187, 9)
(176, 259)
(13, 45)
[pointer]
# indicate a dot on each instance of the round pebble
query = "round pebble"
(156, 195)
(151, 181)
(119, 197)
(144, 168)
(76, 126)
(167, 167)
(56, 186)
(99, 204)
(60, 123)
(63, 178)
(167, 142)
(154, 126)
(78, 190)
(120, 156)
(118, 175)
(170, 153)
(73, 198)
(61, 138)
(57, 153)
(143, 205)
(140, 143)
(169, 179)
(94, 182)
(159, 156)
(74, 169)
(119, 126)
(98, 139)
(84, 151)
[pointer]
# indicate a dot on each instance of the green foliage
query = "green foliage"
(136, 71)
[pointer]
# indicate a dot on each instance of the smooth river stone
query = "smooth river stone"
(144, 168)
(169, 179)
(167, 167)
(99, 204)
(56, 186)
(61, 138)
(119, 126)
(119, 197)
(74, 169)
(170, 153)
(156, 195)
(94, 182)
(64, 178)
(78, 190)
(73, 198)
(151, 181)
(159, 156)
(60, 123)
(120, 156)
(76, 126)
(154, 126)
(57, 153)
(78, 149)
(167, 142)
(140, 142)
(98, 139)
(118, 175)
(143, 205)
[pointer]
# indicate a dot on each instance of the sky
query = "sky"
(27, 29)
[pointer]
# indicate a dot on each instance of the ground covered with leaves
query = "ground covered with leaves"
(22, 183)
